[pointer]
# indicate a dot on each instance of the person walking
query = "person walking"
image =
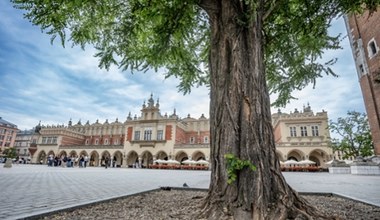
(81, 161)
(85, 161)
(106, 162)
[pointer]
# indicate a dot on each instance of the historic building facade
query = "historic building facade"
(140, 140)
(136, 142)
(302, 135)
(8, 133)
(364, 35)
(22, 143)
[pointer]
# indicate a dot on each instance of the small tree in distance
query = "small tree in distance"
(355, 135)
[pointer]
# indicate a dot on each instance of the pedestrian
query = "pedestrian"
(114, 161)
(85, 161)
(76, 160)
(81, 161)
(63, 160)
(106, 162)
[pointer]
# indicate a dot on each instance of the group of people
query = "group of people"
(67, 161)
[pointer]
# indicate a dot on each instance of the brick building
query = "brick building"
(364, 35)
(139, 140)
(8, 133)
(153, 136)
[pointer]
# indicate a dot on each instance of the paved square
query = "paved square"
(28, 190)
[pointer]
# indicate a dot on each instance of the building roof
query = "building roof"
(5, 123)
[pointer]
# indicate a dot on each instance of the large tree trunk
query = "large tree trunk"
(241, 123)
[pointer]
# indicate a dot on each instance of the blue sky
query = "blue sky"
(41, 81)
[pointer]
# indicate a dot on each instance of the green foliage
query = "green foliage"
(175, 35)
(136, 34)
(355, 135)
(10, 152)
(234, 165)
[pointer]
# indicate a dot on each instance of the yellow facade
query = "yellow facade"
(302, 135)
(139, 141)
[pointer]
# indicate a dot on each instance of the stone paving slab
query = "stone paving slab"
(27, 190)
(365, 188)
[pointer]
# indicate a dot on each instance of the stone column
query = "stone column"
(140, 162)
(124, 161)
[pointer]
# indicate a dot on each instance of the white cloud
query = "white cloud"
(53, 84)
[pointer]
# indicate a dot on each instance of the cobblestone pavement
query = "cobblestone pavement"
(27, 190)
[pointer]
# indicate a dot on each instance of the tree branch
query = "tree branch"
(210, 6)
(272, 7)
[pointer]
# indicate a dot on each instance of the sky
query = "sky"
(40, 81)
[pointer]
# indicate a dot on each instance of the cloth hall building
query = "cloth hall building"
(139, 141)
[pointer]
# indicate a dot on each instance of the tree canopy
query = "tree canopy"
(175, 34)
(355, 135)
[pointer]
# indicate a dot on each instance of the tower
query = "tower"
(364, 35)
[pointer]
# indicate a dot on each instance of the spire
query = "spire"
(151, 101)
(38, 127)
(158, 103)
(129, 116)
(308, 108)
(70, 123)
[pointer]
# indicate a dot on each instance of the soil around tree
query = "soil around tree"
(187, 204)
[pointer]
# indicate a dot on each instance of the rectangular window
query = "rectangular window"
(372, 48)
(44, 140)
(192, 140)
(148, 134)
(160, 135)
(314, 130)
(205, 139)
(293, 132)
(137, 135)
(303, 131)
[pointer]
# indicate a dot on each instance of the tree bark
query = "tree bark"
(240, 122)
